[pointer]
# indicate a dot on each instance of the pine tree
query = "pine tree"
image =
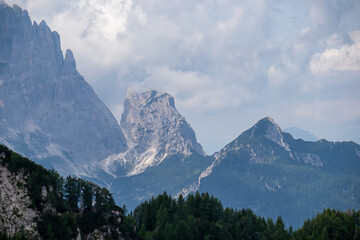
(280, 233)
(71, 189)
(87, 195)
(324, 234)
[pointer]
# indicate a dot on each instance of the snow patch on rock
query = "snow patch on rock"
(270, 184)
(357, 152)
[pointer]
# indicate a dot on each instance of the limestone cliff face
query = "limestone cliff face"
(48, 112)
(15, 214)
(154, 130)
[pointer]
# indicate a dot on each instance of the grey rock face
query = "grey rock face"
(48, 112)
(14, 202)
(154, 130)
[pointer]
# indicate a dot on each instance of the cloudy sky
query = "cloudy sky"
(227, 63)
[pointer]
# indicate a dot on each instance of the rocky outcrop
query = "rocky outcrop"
(154, 130)
(15, 214)
(48, 112)
(35, 204)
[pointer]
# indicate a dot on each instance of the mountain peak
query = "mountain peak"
(269, 129)
(131, 93)
(263, 125)
(269, 119)
(154, 130)
(43, 24)
(266, 120)
(69, 63)
(152, 96)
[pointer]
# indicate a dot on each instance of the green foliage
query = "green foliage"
(21, 235)
(79, 204)
(331, 224)
(74, 203)
(72, 192)
(52, 226)
(200, 216)
(88, 194)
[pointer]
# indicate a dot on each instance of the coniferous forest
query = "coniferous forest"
(72, 206)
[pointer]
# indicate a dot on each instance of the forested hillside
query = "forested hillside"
(69, 208)
(65, 208)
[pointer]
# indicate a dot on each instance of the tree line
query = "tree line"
(201, 216)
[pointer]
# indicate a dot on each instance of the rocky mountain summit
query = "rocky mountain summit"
(48, 112)
(154, 130)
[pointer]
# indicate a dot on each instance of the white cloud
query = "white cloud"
(347, 58)
(355, 36)
(213, 99)
(275, 76)
(328, 111)
(230, 24)
(195, 91)
(166, 78)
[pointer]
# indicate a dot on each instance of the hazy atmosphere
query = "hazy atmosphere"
(227, 63)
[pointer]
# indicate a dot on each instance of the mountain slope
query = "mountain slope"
(48, 112)
(265, 169)
(39, 204)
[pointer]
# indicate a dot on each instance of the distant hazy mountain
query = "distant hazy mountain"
(48, 112)
(265, 169)
(298, 133)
